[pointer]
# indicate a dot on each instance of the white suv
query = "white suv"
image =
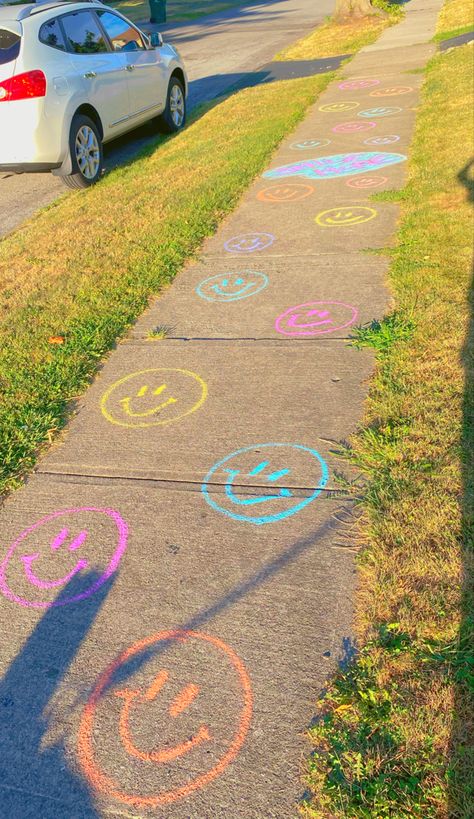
(76, 75)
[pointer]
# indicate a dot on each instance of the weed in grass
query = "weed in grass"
(380, 335)
(158, 333)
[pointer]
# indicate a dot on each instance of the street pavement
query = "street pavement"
(219, 51)
(177, 578)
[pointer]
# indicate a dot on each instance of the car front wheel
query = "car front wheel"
(87, 157)
(173, 117)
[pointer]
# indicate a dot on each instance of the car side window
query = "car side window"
(51, 34)
(122, 35)
(83, 33)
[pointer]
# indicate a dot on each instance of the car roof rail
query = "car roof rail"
(45, 5)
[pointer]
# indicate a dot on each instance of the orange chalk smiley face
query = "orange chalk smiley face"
(285, 193)
(176, 728)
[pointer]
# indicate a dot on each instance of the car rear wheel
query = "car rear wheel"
(87, 157)
(173, 117)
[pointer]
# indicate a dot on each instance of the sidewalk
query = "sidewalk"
(181, 571)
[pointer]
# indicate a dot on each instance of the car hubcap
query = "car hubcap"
(177, 105)
(87, 152)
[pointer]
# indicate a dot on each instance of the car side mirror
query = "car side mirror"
(156, 40)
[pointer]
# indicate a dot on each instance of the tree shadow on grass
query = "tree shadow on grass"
(461, 791)
(36, 781)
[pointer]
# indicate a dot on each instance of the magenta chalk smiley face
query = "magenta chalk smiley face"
(315, 318)
(58, 548)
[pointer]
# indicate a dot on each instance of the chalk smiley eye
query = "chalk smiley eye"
(142, 392)
(132, 698)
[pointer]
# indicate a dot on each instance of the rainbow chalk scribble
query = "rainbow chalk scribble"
(329, 167)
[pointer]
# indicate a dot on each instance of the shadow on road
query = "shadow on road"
(462, 734)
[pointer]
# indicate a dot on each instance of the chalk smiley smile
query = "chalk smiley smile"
(257, 499)
(133, 698)
(127, 401)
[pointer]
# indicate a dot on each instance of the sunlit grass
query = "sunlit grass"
(455, 17)
(396, 735)
(332, 39)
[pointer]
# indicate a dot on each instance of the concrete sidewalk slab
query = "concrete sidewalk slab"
(117, 431)
(166, 580)
(204, 301)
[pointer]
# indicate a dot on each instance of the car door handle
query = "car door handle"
(89, 75)
(129, 67)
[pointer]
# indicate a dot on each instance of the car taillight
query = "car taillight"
(23, 86)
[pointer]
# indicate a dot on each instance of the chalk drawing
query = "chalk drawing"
(249, 242)
(353, 127)
(51, 544)
(227, 287)
(358, 83)
(345, 217)
(379, 112)
(153, 397)
(382, 140)
(279, 462)
(328, 167)
(395, 91)
(338, 107)
(285, 193)
(316, 318)
(211, 746)
(307, 144)
(363, 182)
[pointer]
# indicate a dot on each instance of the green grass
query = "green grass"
(332, 39)
(85, 268)
(395, 735)
(455, 32)
(177, 10)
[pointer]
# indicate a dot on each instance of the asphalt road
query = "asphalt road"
(218, 50)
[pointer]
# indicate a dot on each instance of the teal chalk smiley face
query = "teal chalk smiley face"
(265, 483)
(227, 287)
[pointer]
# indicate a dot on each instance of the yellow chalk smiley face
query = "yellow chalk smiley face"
(345, 217)
(153, 397)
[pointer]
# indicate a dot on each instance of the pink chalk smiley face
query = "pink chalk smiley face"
(58, 548)
(315, 318)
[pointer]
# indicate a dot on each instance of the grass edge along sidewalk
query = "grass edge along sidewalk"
(395, 729)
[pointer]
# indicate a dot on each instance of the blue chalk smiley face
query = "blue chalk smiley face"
(227, 287)
(265, 483)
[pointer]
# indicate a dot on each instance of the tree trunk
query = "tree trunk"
(354, 9)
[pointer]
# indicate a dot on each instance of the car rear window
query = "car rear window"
(51, 34)
(9, 46)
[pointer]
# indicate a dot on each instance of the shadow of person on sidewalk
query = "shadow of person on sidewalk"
(35, 779)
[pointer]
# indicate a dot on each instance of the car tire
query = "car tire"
(173, 117)
(87, 155)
